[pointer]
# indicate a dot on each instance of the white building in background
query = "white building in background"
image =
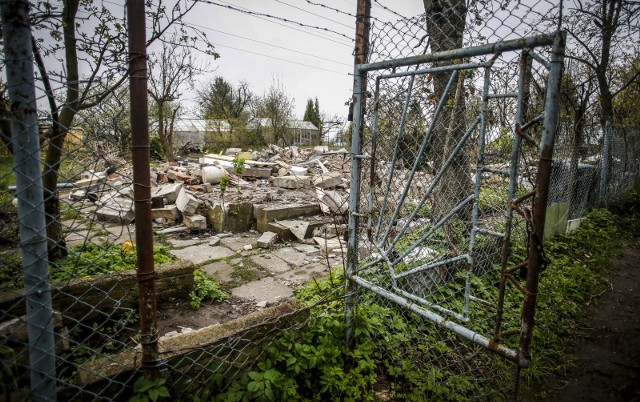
(302, 133)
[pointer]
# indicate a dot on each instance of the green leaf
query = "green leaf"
(269, 394)
(254, 375)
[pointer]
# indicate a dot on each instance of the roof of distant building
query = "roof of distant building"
(297, 124)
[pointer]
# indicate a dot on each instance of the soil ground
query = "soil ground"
(607, 351)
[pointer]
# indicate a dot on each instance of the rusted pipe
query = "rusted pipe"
(543, 180)
(142, 186)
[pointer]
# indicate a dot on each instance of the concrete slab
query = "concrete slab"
(290, 255)
(201, 253)
(181, 243)
(220, 271)
(297, 228)
(271, 263)
(328, 180)
(306, 248)
(264, 213)
(120, 234)
(237, 243)
(304, 275)
(267, 289)
(292, 182)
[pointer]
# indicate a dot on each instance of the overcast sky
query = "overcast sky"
(308, 62)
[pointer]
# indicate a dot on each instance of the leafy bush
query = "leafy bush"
(99, 259)
(205, 288)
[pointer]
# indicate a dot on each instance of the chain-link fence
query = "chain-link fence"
(447, 157)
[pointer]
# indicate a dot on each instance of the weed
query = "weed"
(149, 390)
(205, 288)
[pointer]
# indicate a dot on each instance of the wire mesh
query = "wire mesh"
(453, 268)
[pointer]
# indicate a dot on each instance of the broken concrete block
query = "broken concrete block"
(230, 217)
(116, 210)
(77, 195)
(172, 174)
(214, 240)
(170, 214)
(247, 247)
(292, 181)
(267, 240)
(157, 202)
(320, 149)
(328, 246)
(264, 214)
(168, 191)
(332, 201)
(328, 180)
(297, 228)
(232, 151)
(187, 203)
(195, 222)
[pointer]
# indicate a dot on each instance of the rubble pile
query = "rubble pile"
(288, 193)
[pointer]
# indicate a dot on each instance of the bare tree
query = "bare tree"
(170, 70)
(276, 105)
(605, 34)
(85, 36)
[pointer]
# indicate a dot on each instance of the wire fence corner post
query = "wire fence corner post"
(142, 187)
(543, 180)
(363, 25)
(31, 218)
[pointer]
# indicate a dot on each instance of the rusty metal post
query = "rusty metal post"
(363, 24)
(535, 252)
(142, 186)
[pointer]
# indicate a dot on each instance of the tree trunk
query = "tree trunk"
(57, 133)
(445, 26)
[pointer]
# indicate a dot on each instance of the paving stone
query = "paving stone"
(266, 289)
(214, 240)
(237, 243)
(304, 275)
(220, 271)
(202, 252)
(180, 243)
(290, 255)
(271, 263)
(306, 248)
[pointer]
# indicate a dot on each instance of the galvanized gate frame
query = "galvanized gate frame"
(433, 312)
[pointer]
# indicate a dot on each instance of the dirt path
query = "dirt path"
(608, 350)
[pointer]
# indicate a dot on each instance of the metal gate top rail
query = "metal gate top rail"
(491, 48)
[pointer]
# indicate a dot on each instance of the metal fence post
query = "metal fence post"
(142, 187)
(535, 258)
(33, 235)
(359, 89)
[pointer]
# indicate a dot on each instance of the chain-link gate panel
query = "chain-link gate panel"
(448, 146)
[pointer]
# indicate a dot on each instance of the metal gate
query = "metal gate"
(449, 182)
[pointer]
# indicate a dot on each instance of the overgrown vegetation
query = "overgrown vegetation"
(411, 359)
(205, 288)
